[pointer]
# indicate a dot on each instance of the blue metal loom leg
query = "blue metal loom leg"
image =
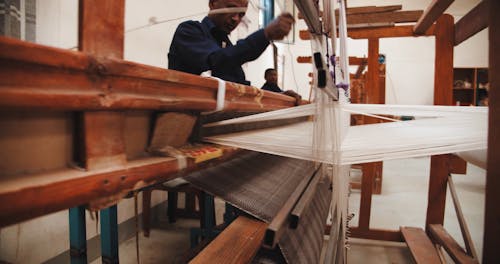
(77, 235)
(109, 235)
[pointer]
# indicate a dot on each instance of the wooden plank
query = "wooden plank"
(68, 80)
(473, 22)
(431, 14)
(469, 244)
(492, 210)
(363, 10)
(238, 243)
(371, 9)
(376, 234)
(441, 237)
(384, 17)
(386, 32)
(28, 196)
(421, 247)
(352, 60)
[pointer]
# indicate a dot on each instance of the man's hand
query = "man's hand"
(279, 27)
(292, 93)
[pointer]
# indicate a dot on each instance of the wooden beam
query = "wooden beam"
(469, 244)
(443, 95)
(441, 237)
(366, 196)
(431, 14)
(473, 22)
(68, 80)
(384, 17)
(372, 91)
(352, 60)
(421, 247)
(238, 243)
(376, 234)
(371, 9)
(28, 196)
(492, 210)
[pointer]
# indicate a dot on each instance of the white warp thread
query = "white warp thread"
(436, 130)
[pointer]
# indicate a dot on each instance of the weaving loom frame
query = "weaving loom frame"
(24, 203)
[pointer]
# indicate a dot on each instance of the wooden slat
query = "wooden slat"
(441, 237)
(421, 247)
(431, 14)
(469, 244)
(473, 22)
(492, 210)
(371, 9)
(376, 234)
(352, 60)
(238, 243)
(28, 196)
(364, 10)
(384, 32)
(69, 80)
(384, 17)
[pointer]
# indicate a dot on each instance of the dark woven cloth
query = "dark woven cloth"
(260, 184)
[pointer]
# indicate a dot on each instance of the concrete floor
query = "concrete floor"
(402, 203)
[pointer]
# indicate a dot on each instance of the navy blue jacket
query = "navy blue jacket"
(271, 87)
(197, 47)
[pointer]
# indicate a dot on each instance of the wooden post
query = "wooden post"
(492, 210)
(101, 29)
(443, 95)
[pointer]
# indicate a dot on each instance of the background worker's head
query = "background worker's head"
(226, 21)
(271, 76)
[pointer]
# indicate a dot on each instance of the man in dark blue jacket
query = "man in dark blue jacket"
(204, 46)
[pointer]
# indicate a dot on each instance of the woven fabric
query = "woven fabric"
(304, 244)
(260, 184)
(256, 183)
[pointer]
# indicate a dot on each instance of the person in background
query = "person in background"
(271, 84)
(203, 46)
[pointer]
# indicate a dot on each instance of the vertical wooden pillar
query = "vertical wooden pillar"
(443, 95)
(366, 195)
(491, 240)
(101, 29)
(375, 94)
(372, 92)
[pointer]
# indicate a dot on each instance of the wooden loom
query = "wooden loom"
(447, 35)
(101, 87)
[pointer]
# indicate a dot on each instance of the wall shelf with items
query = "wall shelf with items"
(470, 86)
